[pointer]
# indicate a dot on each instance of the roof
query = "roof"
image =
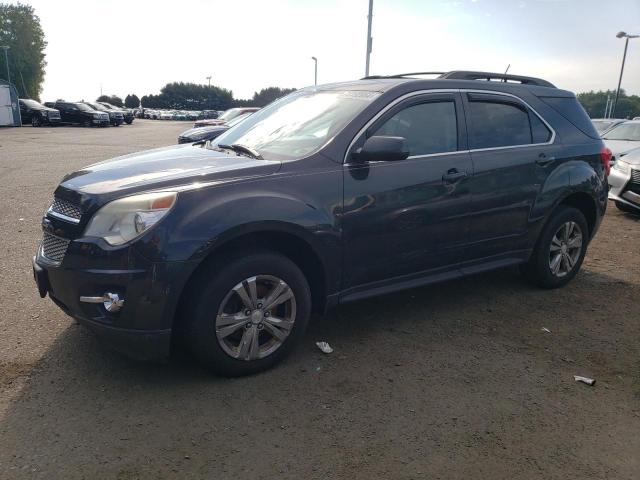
(459, 79)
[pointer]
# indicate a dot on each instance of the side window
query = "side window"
(427, 127)
(539, 130)
(495, 124)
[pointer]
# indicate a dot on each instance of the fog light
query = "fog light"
(111, 301)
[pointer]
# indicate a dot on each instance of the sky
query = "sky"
(137, 46)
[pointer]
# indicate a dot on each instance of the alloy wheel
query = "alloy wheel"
(565, 249)
(255, 317)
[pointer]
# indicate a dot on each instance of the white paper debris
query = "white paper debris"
(587, 380)
(325, 347)
(545, 329)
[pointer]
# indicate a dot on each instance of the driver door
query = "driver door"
(409, 217)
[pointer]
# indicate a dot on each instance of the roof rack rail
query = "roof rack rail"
(470, 75)
(401, 75)
(489, 76)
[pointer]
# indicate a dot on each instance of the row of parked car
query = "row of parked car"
(190, 115)
(622, 137)
(207, 129)
(88, 114)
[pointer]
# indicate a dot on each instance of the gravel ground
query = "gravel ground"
(456, 380)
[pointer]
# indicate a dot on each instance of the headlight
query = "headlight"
(124, 219)
(44, 113)
(622, 166)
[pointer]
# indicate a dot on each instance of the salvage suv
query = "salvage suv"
(331, 194)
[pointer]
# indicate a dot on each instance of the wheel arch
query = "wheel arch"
(292, 241)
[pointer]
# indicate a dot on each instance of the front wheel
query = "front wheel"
(560, 250)
(246, 315)
(36, 121)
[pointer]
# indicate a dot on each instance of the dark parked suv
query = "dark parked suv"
(331, 194)
(78, 113)
(37, 114)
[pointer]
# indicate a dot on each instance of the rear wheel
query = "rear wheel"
(623, 207)
(560, 250)
(245, 316)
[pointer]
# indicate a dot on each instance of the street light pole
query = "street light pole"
(6, 59)
(369, 39)
(209, 78)
(315, 70)
(626, 36)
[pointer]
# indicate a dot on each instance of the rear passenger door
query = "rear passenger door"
(512, 156)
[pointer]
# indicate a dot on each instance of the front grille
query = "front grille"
(634, 183)
(54, 247)
(65, 208)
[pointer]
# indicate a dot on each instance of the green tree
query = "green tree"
(112, 99)
(264, 97)
(20, 30)
(595, 103)
(131, 101)
(189, 96)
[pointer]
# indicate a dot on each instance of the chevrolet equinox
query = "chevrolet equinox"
(331, 194)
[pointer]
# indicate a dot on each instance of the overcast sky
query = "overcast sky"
(137, 46)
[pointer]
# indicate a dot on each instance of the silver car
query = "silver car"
(622, 138)
(624, 182)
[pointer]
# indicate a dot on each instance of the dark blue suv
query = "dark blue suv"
(331, 194)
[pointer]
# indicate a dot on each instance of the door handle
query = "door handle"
(453, 176)
(543, 160)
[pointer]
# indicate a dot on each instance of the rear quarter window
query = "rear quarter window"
(570, 108)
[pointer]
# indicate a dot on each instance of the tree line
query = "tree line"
(595, 103)
(192, 96)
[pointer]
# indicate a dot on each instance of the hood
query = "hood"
(175, 166)
(633, 157)
(619, 147)
(199, 131)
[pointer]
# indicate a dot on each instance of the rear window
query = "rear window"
(498, 125)
(570, 108)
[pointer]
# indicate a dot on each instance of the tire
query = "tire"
(36, 121)
(128, 122)
(539, 268)
(86, 124)
(623, 207)
(214, 309)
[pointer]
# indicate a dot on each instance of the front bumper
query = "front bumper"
(101, 122)
(142, 328)
(622, 189)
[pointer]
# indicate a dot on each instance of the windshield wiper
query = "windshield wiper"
(242, 149)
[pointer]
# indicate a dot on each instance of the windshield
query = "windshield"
(238, 119)
(602, 125)
(298, 124)
(84, 107)
(624, 131)
(97, 106)
(31, 103)
(229, 114)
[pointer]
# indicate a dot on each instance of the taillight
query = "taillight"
(605, 158)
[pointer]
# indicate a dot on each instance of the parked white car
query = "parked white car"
(624, 182)
(622, 138)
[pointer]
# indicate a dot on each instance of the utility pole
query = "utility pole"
(369, 39)
(6, 59)
(315, 70)
(209, 78)
(626, 36)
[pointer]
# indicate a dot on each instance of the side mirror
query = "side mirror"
(382, 148)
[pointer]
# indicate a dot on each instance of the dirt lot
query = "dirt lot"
(451, 381)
